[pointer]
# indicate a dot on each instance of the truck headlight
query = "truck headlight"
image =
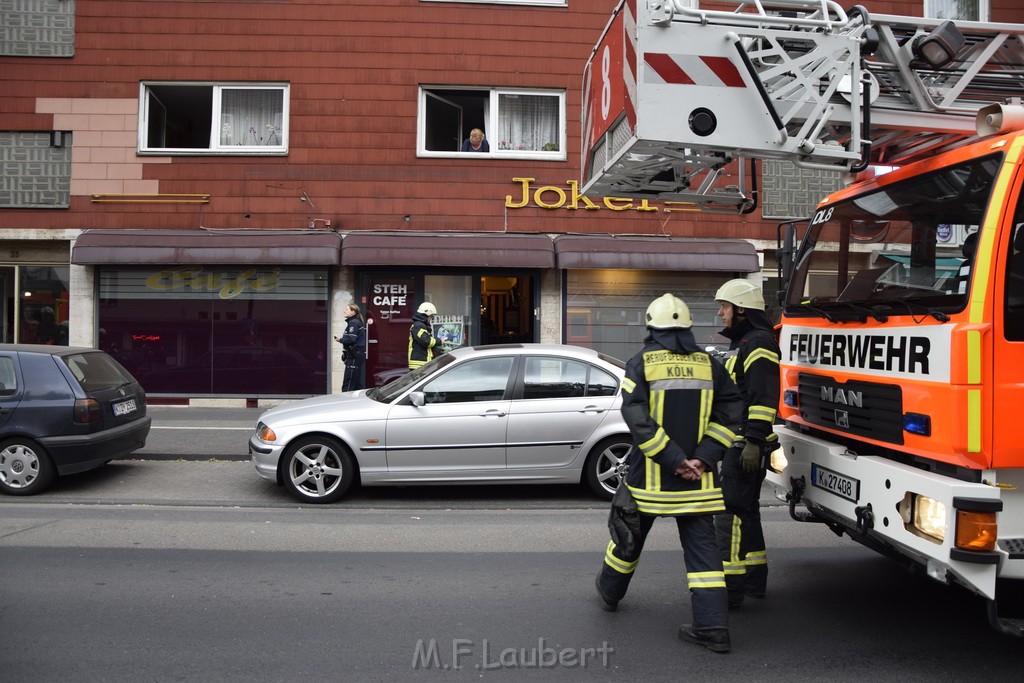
(929, 517)
(777, 460)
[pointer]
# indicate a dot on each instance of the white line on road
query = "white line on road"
(240, 429)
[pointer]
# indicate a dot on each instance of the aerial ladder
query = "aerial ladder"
(680, 102)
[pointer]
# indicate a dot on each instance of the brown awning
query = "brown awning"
(493, 250)
(637, 252)
(228, 247)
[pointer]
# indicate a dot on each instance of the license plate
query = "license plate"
(833, 482)
(124, 407)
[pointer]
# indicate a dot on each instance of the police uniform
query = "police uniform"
(753, 362)
(679, 405)
(354, 343)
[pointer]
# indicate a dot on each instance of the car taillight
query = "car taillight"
(87, 410)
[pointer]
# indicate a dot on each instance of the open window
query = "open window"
(204, 118)
(515, 123)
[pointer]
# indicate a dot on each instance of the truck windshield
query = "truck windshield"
(904, 248)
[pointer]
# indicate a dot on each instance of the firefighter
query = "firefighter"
(682, 411)
(422, 342)
(753, 363)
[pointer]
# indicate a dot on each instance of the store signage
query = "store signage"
(569, 197)
(193, 278)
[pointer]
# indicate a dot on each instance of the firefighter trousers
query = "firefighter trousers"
(704, 576)
(738, 530)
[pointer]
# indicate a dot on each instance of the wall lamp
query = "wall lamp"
(940, 47)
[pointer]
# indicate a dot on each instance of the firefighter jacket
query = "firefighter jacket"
(679, 404)
(753, 363)
(421, 341)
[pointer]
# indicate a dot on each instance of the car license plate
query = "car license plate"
(833, 482)
(124, 407)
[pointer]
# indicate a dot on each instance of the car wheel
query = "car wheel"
(606, 465)
(318, 469)
(25, 467)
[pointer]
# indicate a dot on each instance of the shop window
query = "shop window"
(195, 330)
(43, 305)
(515, 123)
(967, 10)
(197, 118)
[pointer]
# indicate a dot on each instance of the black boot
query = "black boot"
(716, 639)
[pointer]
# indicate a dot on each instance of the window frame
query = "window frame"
(984, 11)
(527, 3)
(495, 93)
(216, 113)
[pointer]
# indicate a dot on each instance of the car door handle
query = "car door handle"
(592, 409)
(493, 413)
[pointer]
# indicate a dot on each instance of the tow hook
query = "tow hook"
(794, 497)
(865, 519)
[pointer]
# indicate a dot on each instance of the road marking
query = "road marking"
(241, 429)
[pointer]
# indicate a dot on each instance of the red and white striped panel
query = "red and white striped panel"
(716, 72)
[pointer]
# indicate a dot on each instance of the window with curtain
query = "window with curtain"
(967, 10)
(515, 123)
(197, 118)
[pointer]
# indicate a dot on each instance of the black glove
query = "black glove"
(750, 458)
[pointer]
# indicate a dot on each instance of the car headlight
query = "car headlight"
(265, 433)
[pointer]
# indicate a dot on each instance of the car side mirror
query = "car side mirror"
(417, 398)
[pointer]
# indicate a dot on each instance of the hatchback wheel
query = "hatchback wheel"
(606, 465)
(25, 467)
(318, 469)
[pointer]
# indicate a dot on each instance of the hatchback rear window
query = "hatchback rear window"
(96, 371)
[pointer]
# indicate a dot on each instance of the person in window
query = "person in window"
(423, 345)
(475, 142)
(353, 342)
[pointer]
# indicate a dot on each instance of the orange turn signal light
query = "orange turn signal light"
(975, 530)
(267, 434)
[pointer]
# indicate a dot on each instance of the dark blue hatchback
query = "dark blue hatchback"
(64, 409)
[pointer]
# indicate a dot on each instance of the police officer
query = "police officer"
(422, 342)
(353, 341)
(753, 362)
(682, 410)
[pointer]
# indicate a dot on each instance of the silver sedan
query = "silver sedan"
(504, 414)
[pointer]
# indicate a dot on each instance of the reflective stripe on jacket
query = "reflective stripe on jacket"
(677, 406)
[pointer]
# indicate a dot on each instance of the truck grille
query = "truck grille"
(858, 408)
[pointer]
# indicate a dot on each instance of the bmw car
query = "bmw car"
(502, 414)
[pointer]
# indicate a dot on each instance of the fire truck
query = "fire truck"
(902, 325)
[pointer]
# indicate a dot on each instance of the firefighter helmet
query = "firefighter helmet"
(742, 293)
(667, 312)
(427, 308)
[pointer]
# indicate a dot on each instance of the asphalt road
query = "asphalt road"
(108, 592)
(188, 566)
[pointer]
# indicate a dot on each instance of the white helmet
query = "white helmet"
(427, 308)
(742, 293)
(667, 312)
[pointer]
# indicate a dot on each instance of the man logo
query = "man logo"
(842, 419)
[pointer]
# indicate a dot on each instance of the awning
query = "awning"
(227, 247)
(475, 250)
(637, 252)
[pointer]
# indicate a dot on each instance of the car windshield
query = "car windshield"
(97, 371)
(904, 247)
(392, 390)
